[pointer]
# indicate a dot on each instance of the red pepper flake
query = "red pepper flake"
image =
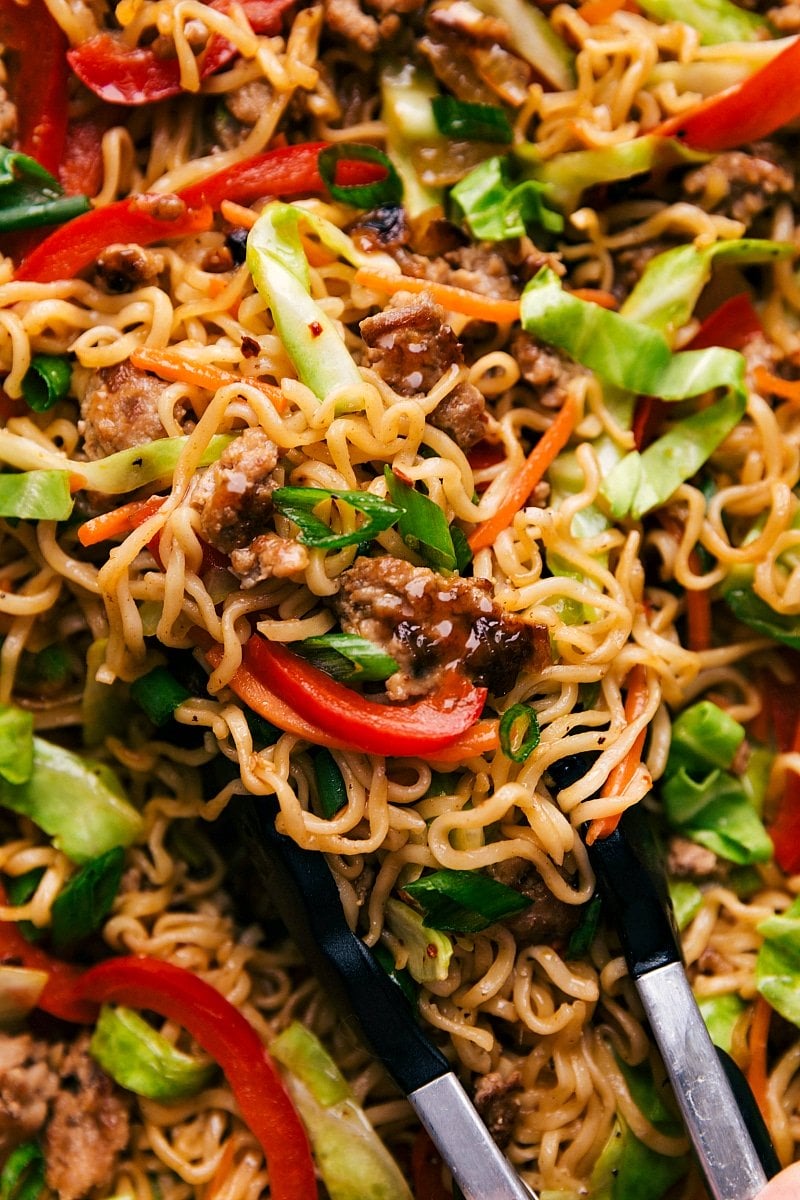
(315, 329)
(250, 347)
(431, 950)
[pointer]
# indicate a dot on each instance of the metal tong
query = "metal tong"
(306, 897)
(720, 1114)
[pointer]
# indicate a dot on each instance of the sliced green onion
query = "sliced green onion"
(583, 935)
(297, 504)
(19, 890)
(397, 974)
(687, 900)
(27, 208)
(422, 525)
(158, 694)
(83, 904)
(359, 195)
(36, 496)
(463, 901)
(331, 787)
(461, 548)
(347, 657)
(471, 122)
(22, 1177)
(263, 733)
(16, 743)
(519, 732)
(46, 381)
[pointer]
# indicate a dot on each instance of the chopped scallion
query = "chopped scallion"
(331, 787)
(519, 732)
(158, 694)
(388, 190)
(347, 657)
(297, 503)
(583, 935)
(22, 1177)
(422, 525)
(86, 899)
(46, 381)
(471, 122)
(463, 901)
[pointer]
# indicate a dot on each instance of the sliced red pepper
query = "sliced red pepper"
(73, 246)
(132, 75)
(39, 78)
(421, 728)
(751, 110)
(426, 1170)
(284, 171)
(731, 325)
(58, 996)
(81, 169)
(231, 1040)
(785, 829)
(647, 416)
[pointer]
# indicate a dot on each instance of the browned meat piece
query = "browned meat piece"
(630, 262)
(8, 118)
(410, 344)
(383, 228)
(162, 206)
(268, 556)
(739, 185)
(472, 55)
(549, 371)
(497, 1101)
(462, 415)
(687, 860)
(61, 1090)
(119, 409)
(547, 919)
(348, 19)
(786, 19)
(482, 269)
(247, 103)
(121, 268)
(87, 1129)
(429, 623)
(27, 1085)
(234, 496)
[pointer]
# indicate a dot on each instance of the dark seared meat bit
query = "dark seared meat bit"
(739, 185)
(119, 408)
(688, 860)
(347, 19)
(462, 415)
(268, 556)
(383, 228)
(498, 1101)
(60, 1090)
(547, 370)
(429, 623)
(123, 267)
(234, 496)
(410, 344)
(87, 1129)
(8, 118)
(547, 919)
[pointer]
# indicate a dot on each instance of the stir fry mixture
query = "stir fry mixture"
(400, 431)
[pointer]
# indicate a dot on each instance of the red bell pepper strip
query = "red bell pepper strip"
(58, 996)
(81, 169)
(785, 829)
(73, 246)
(230, 1039)
(39, 78)
(751, 110)
(132, 75)
(426, 1170)
(285, 171)
(421, 728)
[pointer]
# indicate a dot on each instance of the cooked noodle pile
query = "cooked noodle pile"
(574, 602)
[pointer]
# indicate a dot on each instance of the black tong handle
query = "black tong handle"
(305, 894)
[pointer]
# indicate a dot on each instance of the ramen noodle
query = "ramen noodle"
(400, 428)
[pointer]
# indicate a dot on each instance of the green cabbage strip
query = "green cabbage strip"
(141, 1059)
(118, 473)
(716, 21)
(636, 358)
(496, 206)
(778, 962)
(407, 93)
(36, 495)
(535, 40)
(277, 262)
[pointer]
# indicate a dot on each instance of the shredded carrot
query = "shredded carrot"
(757, 1071)
(216, 286)
(596, 12)
(237, 214)
(454, 299)
(596, 296)
(169, 364)
(698, 611)
(224, 1168)
(623, 772)
(550, 443)
(787, 389)
(118, 522)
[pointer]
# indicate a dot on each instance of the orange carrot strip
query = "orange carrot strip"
(482, 738)
(596, 296)
(757, 1070)
(623, 772)
(174, 366)
(596, 12)
(237, 214)
(787, 389)
(550, 443)
(455, 299)
(118, 522)
(224, 1168)
(698, 611)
